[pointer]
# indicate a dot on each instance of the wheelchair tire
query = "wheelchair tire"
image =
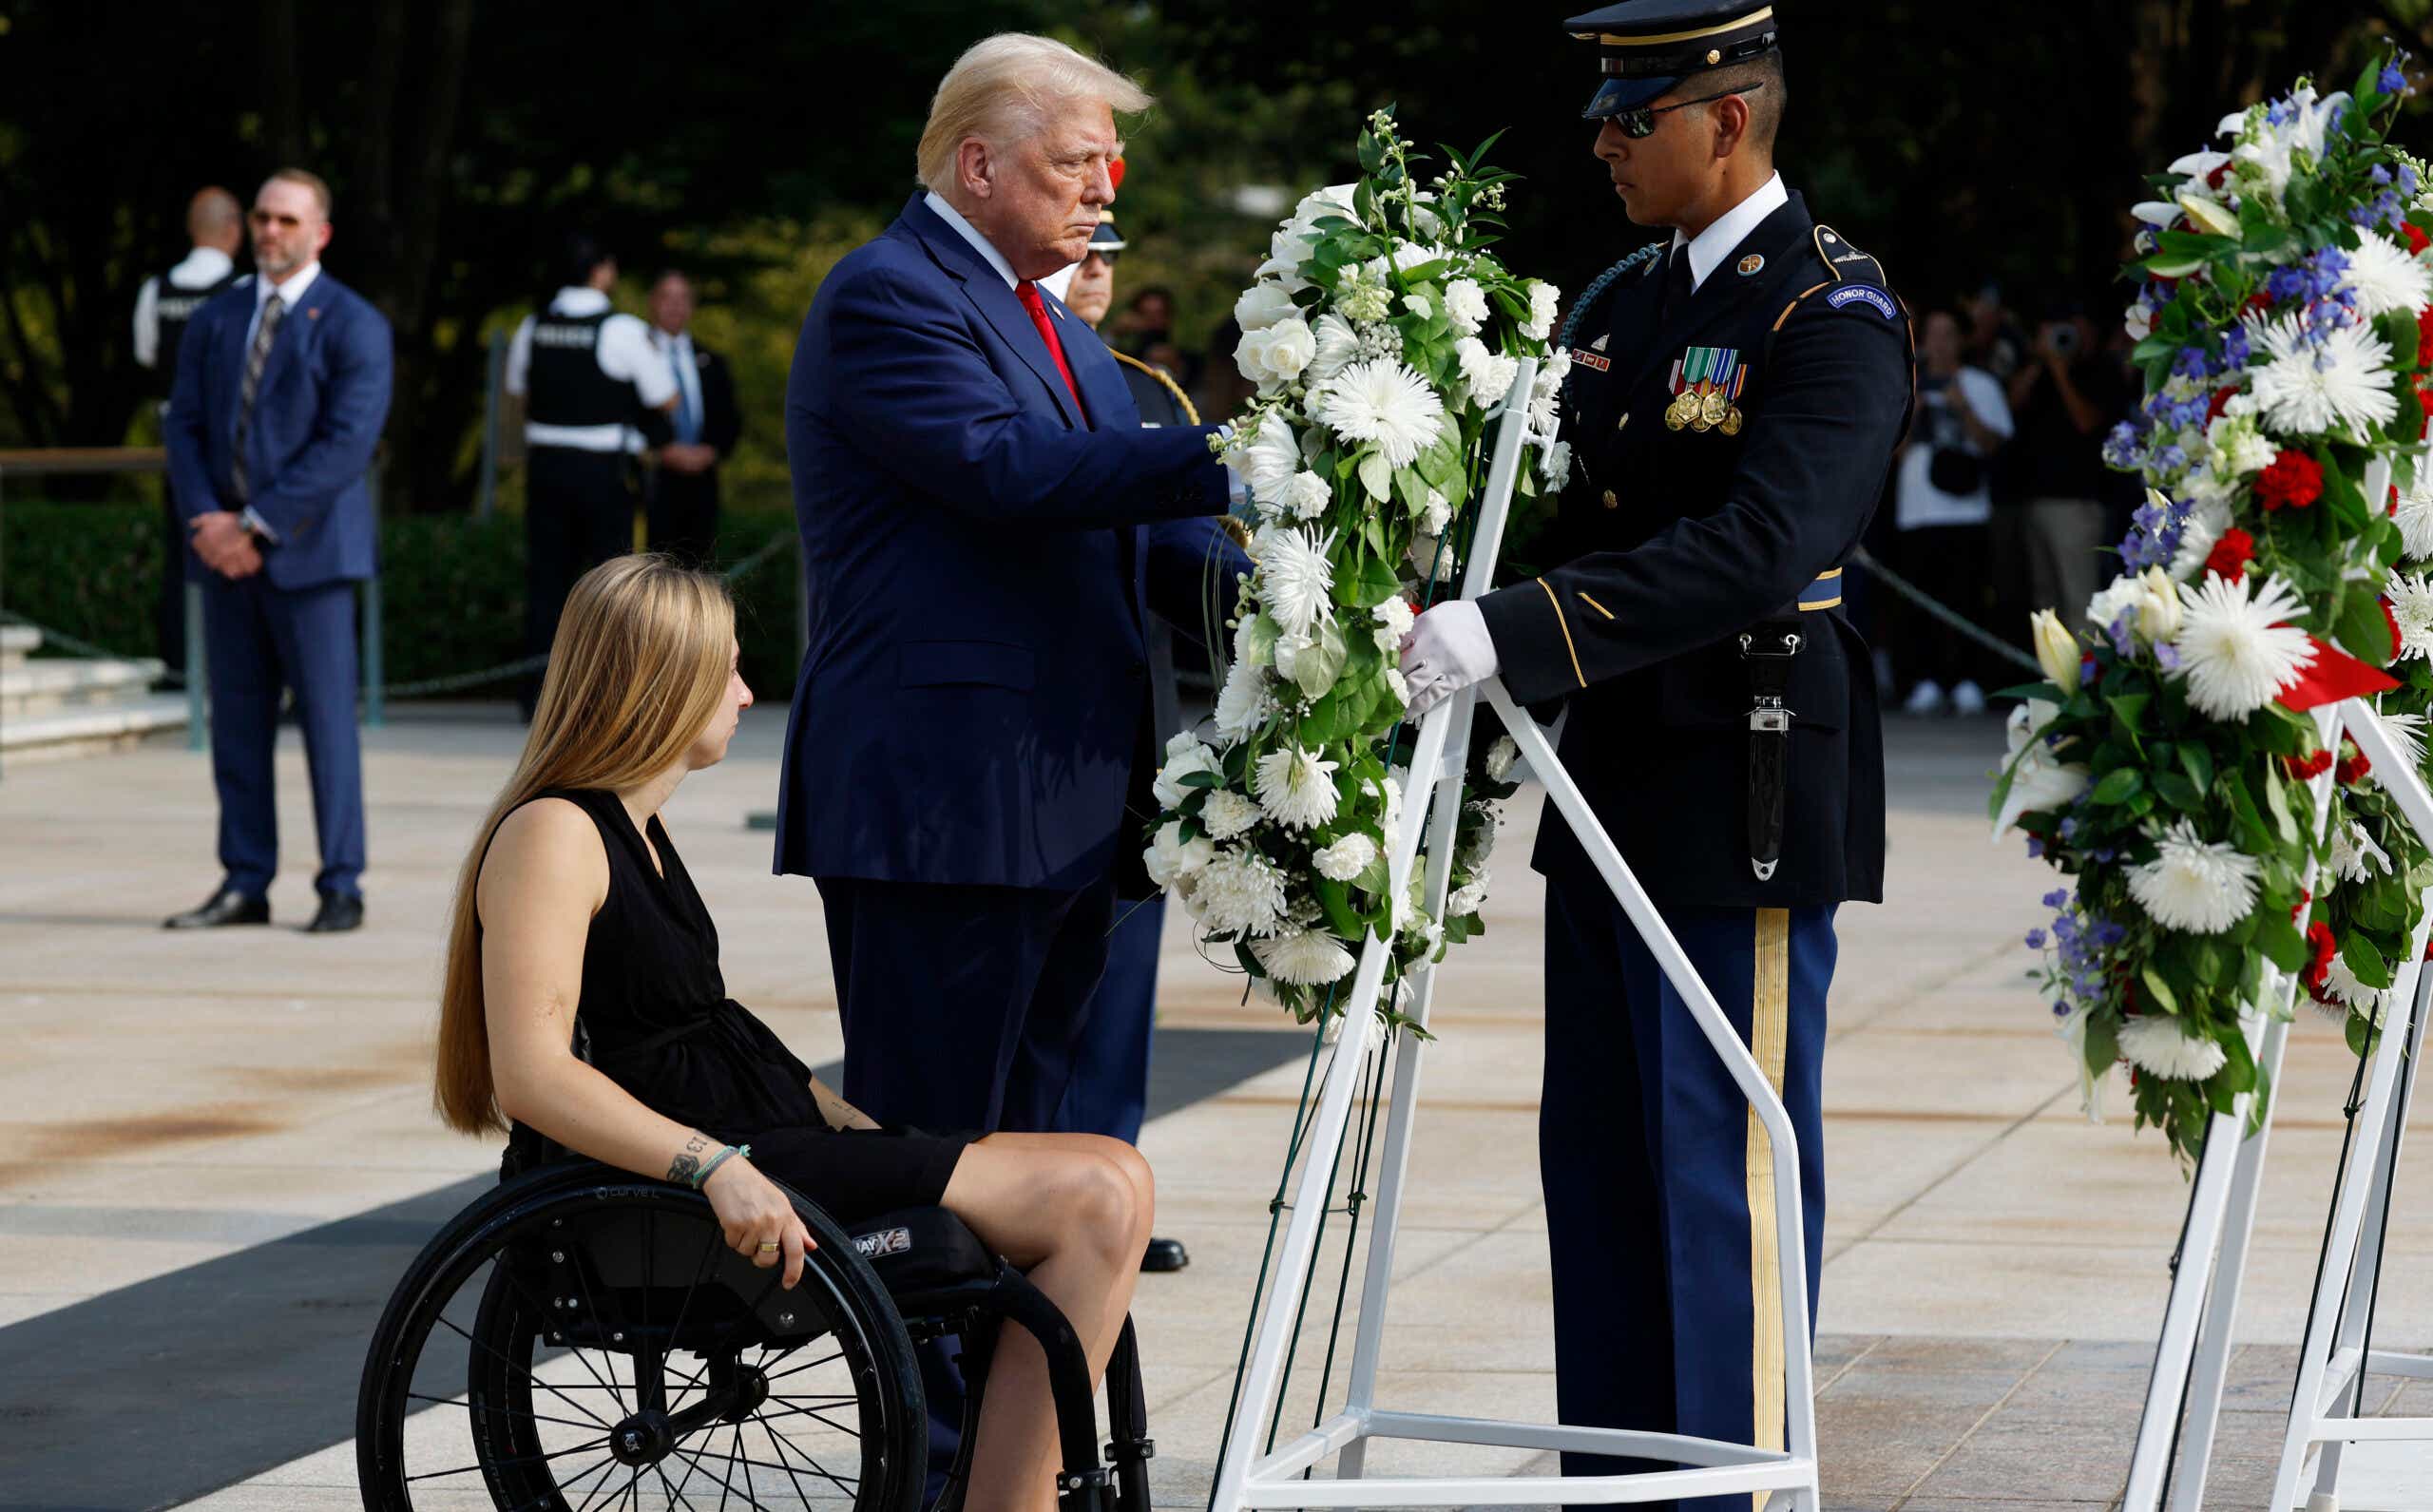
(583, 1338)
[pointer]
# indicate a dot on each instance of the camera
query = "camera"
(2063, 336)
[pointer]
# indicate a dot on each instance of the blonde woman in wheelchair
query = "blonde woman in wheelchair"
(582, 1008)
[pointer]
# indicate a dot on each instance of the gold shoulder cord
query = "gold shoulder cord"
(1190, 415)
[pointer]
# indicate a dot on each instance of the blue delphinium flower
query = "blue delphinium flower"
(2390, 81)
(2235, 348)
(2036, 939)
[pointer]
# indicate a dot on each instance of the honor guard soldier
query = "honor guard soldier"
(1734, 399)
(589, 379)
(216, 226)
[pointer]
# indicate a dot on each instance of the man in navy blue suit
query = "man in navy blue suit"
(281, 388)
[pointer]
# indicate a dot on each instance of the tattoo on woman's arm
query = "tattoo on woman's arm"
(688, 1160)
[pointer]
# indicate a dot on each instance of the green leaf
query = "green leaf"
(1377, 476)
(2280, 940)
(2363, 632)
(2175, 790)
(2277, 798)
(1320, 662)
(1262, 642)
(2119, 786)
(2399, 327)
(2103, 1045)
(2366, 961)
(1370, 582)
(2198, 763)
(1199, 779)
(1337, 903)
(2160, 989)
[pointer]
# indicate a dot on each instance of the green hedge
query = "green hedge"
(452, 586)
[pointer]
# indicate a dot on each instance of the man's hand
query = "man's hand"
(224, 545)
(1446, 651)
(681, 456)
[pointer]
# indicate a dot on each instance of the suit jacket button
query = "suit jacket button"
(1625, 422)
(1612, 503)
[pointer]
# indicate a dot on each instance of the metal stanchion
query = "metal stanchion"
(197, 673)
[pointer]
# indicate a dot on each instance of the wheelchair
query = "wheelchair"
(581, 1338)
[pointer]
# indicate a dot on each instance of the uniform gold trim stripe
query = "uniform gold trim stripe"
(1190, 414)
(1820, 604)
(1769, 1042)
(1794, 304)
(1614, 40)
(1566, 631)
(1594, 604)
(1823, 576)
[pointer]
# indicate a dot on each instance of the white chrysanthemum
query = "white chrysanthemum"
(1397, 686)
(1337, 344)
(1550, 374)
(2342, 985)
(1297, 788)
(1243, 703)
(1435, 513)
(2411, 599)
(2416, 511)
(1263, 304)
(1500, 758)
(2407, 733)
(1391, 797)
(2321, 382)
(1227, 814)
(2353, 855)
(1247, 645)
(1385, 403)
(1306, 496)
(1239, 892)
(1274, 457)
(1466, 306)
(1307, 958)
(2386, 277)
(2206, 520)
(1394, 617)
(1170, 858)
(1345, 859)
(2156, 1044)
(1488, 377)
(1296, 579)
(1182, 763)
(1467, 898)
(1555, 465)
(2203, 886)
(1543, 300)
(2235, 652)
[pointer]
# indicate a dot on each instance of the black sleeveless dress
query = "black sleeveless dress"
(655, 1019)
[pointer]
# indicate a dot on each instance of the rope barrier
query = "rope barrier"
(425, 687)
(1944, 612)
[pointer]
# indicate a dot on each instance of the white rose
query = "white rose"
(1261, 305)
(1170, 857)
(1501, 757)
(1290, 347)
(1249, 357)
(1306, 496)
(1466, 306)
(2119, 598)
(1180, 764)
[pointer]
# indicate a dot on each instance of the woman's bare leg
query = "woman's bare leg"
(1069, 1210)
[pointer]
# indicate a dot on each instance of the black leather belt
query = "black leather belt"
(1765, 651)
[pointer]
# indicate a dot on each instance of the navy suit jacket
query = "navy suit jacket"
(972, 701)
(317, 413)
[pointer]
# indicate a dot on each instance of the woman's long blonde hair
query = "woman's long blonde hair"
(640, 664)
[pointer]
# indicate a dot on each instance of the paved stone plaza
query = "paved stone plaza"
(217, 1155)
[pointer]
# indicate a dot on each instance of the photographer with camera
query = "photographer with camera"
(2048, 492)
(1941, 510)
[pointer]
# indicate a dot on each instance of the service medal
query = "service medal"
(1712, 406)
(1677, 414)
(1731, 423)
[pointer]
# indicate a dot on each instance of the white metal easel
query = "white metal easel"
(2196, 1348)
(1246, 1478)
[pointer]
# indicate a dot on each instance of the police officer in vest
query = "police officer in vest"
(216, 226)
(1734, 396)
(1109, 1090)
(590, 379)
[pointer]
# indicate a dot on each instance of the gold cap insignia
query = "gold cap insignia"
(1715, 55)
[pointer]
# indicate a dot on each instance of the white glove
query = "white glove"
(1446, 651)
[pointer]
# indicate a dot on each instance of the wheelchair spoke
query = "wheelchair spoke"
(593, 1308)
(811, 1412)
(526, 1372)
(521, 1459)
(500, 1412)
(732, 1462)
(784, 1464)
(560, 1489)
(816, 1467)
(813, 1365)
(674, 1494)
(701, 1269)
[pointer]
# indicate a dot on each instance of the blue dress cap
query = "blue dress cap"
(1646, 47)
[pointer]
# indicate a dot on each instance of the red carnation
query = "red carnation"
(2220, 402)
(2230, 554)
(2390, 621)
(2319, 935)
(2311, 765)
(2416, 239)
(2352, 765)
(2292, 482)
(2221, 171)
(2258, 300)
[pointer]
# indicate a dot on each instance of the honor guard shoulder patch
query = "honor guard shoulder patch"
(1863, 293)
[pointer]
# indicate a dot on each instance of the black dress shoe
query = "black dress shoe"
(1165, 1254)
(228, 905)
(339, 912)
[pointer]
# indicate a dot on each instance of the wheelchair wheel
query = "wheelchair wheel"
(584, 1339)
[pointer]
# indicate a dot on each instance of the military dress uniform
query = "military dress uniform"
(1730, 436)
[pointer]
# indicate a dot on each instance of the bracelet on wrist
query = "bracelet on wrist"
(701, 1178)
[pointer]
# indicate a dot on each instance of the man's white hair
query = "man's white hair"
(1003, 90)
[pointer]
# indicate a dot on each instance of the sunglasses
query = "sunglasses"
(1105, 254)
(1639, 122)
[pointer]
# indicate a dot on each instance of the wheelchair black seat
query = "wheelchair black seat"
(922, 1249)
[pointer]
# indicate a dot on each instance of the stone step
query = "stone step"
(88, 730)
(70, 682)
(17, 642)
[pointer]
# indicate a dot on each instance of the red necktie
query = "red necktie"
(1027, 292)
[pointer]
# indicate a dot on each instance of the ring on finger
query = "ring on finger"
(767, 1245)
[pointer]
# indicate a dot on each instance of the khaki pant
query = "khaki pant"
(2053, 548)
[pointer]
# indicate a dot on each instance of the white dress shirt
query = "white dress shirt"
(625, 352)
(1717, 241)
(288, 293)
(971, 234)
(202, 267)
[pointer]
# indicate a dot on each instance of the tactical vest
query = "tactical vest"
(173, 310)
(565, 386)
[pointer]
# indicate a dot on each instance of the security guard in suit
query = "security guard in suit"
(1734, 399)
